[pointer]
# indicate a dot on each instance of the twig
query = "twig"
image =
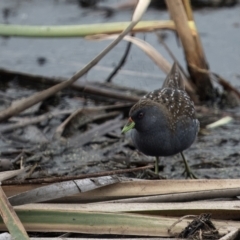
(19, 156)
(121, 63)
(9, 127)
(147, 48)
(63, 125)
(29, 174)
(68, 178)
(21, 105)
(89, 87)
(226, 85)
(95, 132)
(161, 40)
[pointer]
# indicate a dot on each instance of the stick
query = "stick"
(37, 97)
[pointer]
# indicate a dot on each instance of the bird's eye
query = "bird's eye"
(140, 115)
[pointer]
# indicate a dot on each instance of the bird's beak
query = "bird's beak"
(130, 125)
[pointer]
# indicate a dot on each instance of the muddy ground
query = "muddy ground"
(216, 152)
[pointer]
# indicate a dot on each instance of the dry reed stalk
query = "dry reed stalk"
(196, 38)
(192, 47)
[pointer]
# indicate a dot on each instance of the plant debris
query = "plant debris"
(201, 228)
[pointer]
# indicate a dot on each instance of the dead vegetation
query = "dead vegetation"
(68, 171)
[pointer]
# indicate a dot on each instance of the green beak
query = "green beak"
(130, 125)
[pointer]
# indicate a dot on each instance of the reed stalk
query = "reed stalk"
(193, 50)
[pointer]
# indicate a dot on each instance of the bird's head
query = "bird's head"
(144, 116)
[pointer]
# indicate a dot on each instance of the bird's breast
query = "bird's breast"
(163, 141)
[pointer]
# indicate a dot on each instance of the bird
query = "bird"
(163, 122)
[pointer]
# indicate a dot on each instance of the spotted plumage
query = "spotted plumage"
(173, 97)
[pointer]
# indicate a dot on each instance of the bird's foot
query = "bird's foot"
(154, 175)
(189, 174)
(157, 165)
(187, 171)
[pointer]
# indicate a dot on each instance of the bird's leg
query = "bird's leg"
(157, 165)
(187, 170)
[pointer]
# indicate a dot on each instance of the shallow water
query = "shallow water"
(219, 30)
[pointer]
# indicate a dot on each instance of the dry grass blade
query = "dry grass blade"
(227, 210)
(220, 122)
(7, 236)
(33, 120)
(11, 219)
(63, 189)
(48, 180)
(69, 218)
(88, 117)
(160, 61)
(151, 188)
(88, 88)
(178, 190)
(184, 197)
(139, 238)
(232, 235)
(23, 104)
(95, 132)
(10, 174)
(104, 238)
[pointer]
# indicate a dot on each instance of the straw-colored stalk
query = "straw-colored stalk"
(10, 218)
(192, 47)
